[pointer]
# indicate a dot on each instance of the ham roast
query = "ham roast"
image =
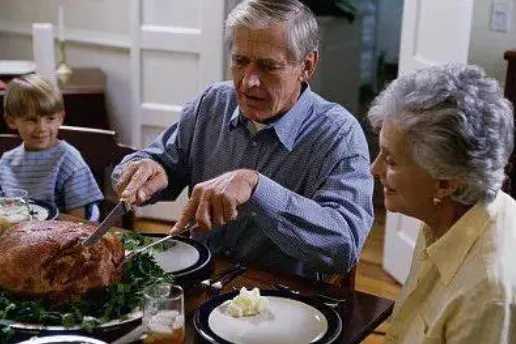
(46, 259)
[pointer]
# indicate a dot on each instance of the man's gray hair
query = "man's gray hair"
(302, 29)
(458, 124)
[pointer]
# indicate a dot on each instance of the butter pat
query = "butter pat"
(247, 303)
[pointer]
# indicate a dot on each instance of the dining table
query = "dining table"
(361, 313)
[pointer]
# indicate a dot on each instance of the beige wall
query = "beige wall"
(487, 47)
(103, 43)
(98, 15)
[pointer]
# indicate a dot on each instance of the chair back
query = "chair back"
(98, 148)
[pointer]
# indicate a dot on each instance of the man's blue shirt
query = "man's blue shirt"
(311, 210)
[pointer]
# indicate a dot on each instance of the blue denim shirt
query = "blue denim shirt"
(311, 210)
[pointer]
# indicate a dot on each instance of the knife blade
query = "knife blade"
(120, 210)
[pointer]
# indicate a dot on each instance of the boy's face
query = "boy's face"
(38, 132)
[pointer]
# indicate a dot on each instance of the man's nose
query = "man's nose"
(252, 77)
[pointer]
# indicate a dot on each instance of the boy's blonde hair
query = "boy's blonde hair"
(32, 94)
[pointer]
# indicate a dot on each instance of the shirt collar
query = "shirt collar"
(288, 125)
(449, 252)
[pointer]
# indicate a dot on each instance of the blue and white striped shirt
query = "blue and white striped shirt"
(311, 210)
(58, 175)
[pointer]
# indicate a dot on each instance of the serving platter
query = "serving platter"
(187, 259)
(290, 319)
(66, 339)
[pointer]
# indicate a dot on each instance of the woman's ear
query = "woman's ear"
(446, 187)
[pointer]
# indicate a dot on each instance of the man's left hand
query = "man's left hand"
(214, 202)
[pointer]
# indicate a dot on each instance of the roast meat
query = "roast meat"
(46, 259)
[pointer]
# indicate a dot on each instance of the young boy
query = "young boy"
(48, 168)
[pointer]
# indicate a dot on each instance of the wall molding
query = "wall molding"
(90, 37)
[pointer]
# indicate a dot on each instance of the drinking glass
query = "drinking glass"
(163, 314)
(14, 206)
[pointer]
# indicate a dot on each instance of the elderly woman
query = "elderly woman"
(446, 134)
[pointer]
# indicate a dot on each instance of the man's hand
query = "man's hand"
(140, 180)
(214, 202)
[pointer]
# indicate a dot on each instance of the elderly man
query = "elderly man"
(277, 175)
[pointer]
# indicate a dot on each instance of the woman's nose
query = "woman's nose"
(377, 167)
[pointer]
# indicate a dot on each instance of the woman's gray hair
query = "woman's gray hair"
(302, 28)
(458, 124)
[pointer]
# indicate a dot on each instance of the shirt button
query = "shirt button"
(255, 143)
(228, 253)
(253, 213)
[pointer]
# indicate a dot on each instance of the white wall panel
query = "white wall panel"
(166, 13)
(168, 77)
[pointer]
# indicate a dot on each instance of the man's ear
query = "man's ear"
(446, 187)
(11, 123)
(309, 65)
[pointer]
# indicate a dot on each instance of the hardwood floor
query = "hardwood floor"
(370, 278)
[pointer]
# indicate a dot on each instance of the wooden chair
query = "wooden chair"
(100, 151)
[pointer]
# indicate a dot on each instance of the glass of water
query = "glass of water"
(163, 314)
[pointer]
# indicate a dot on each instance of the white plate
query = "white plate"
(63, 339)
(16, 67)
(39, 212)
(179, 257)
(286, 321)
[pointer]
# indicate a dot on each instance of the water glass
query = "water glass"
(163, 314)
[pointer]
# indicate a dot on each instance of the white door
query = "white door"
(433, 32)
(177, 50)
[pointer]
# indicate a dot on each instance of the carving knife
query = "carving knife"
(116, 214)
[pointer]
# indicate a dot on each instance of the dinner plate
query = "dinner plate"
(20, 213)
(188, 260)
(289, 319)
(43, 210)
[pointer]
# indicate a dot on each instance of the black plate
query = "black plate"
(196, 272)
(52, 209)
(202, 315)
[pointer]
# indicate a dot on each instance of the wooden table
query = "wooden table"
(360, 315)
(84, 99)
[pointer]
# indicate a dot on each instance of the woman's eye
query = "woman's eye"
(389, 161)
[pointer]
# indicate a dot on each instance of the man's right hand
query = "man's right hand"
(140, 180)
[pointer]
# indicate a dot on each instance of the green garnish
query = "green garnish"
(114, 302)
